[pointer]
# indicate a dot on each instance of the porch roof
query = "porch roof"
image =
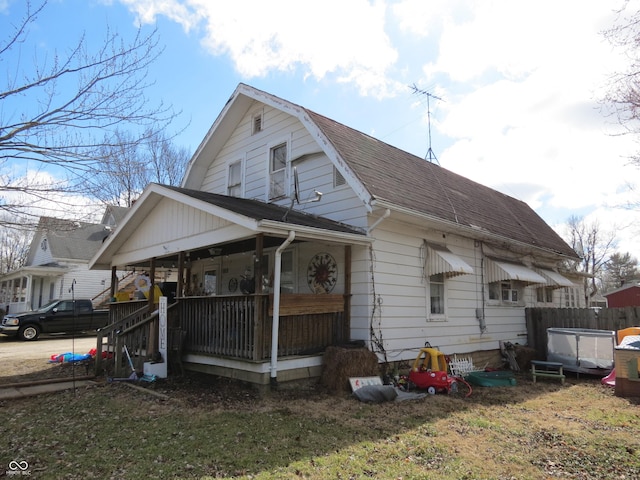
(222, 219)
(36, 270)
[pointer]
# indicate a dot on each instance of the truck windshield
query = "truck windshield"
(47, 306)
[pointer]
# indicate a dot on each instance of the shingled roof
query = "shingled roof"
(400, 178)
(258, 210)
(71, 239)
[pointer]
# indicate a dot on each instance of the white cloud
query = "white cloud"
(343, 39)
(520, 81)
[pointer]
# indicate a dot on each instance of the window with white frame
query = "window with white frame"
(277, 171)
(505, 291)
(234, 187)
(544, 295)
(436, 294)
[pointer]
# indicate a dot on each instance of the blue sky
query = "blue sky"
(519, 81)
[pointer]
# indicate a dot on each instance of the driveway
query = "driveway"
(47, 345)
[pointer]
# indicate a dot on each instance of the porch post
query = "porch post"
(180, 286)
(257, 271)
(114, 281)
(346, 328)
(153, 326)
(258, 323)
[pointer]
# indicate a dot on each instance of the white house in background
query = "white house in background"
(58, 258)
(282, 195)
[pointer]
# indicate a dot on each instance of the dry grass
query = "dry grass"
(211, 428)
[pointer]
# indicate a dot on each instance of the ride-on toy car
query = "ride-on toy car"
(429, 372)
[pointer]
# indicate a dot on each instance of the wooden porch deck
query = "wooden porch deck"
(236, 329)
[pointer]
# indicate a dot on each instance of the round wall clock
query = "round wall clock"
(233, 284)
(322, 273)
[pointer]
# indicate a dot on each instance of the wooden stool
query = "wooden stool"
(546, 369)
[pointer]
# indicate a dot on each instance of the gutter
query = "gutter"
(468, 231)
(276, 308)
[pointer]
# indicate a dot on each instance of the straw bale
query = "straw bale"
(342, 363)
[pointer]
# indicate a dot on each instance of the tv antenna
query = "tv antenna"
(430, 156)
(295, 195)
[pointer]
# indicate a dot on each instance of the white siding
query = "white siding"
(315, 172)
(40, 256)
(401, 320)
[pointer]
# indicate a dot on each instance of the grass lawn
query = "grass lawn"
(221, 429)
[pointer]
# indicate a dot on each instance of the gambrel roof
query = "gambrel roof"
(388, 177)
(401, 179)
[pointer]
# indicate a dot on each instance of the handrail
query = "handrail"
(115, 328)
(129, 274)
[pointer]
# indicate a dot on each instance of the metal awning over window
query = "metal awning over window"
(440, 259)
(498, 271)
(554, 279)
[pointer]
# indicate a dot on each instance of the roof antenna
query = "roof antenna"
(295, 195)
(430, 156)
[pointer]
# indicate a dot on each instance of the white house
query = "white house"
(380, 245)
(58, 260)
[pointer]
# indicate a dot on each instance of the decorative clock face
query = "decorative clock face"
(322, 273)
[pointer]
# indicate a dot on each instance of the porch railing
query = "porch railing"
(132, 326)
(240, 326)
(227, 326)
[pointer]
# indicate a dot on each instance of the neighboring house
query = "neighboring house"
(57, 261)
(625, 296)
(396, 251)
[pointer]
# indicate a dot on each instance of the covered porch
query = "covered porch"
(225, 316)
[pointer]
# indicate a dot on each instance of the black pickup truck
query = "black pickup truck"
(57, 316)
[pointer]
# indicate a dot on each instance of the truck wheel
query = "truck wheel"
(29, 332)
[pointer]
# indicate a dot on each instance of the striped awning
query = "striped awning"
(441, 260)
(498, 270)
(554, 279)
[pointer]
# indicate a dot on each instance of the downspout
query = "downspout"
(276, 308)
(386, 213)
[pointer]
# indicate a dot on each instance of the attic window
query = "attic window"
(256, 125)
(338, 179)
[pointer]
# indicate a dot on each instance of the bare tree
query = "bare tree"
(167, 162)
(594, 247)
(14, 247)
(621, 268)
(72, 109)
(129, 166)
(624, 92)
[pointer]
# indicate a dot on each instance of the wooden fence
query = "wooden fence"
(539, 319)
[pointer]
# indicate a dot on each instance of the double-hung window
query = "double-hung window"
(436, 294)
(277, 171)
(234, 187)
